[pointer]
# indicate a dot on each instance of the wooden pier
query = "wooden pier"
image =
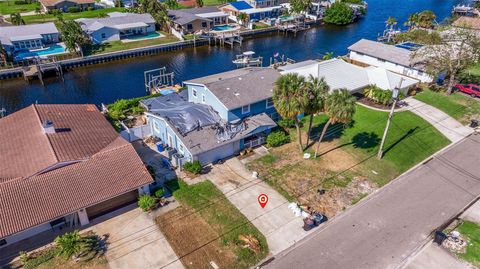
(293, 26)
(41, 68)
(229, 38)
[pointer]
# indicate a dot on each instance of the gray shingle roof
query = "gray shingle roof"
(181, 17)
(383, 51)
(21, 32)
(240, 87)
(117, 20)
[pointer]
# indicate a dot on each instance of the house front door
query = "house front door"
(170, 141)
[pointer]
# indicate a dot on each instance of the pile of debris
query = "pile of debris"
(455, 242)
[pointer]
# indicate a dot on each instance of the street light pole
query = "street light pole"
(395, 99)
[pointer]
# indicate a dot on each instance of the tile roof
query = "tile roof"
(180, 17)
(240, 87)
(51, 175)
(383, 51)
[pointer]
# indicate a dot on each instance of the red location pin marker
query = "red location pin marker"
(263, 200)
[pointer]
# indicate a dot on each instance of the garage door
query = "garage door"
(112, 204)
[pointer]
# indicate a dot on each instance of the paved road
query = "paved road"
(385, 229)
(447, 125)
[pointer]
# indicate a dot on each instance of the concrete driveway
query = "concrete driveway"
(434, 256)
(448, 126)
(276, 221)
(135, 241)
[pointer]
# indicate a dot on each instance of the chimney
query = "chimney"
(48, 127)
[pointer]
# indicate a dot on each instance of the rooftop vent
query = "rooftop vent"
(237, 94)
(261, 77)
(228, 88)
(239, 78)
(48, 127)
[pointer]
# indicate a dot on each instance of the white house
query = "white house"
(340, 74)
(389, 57)
(117, 26)
(28, 37)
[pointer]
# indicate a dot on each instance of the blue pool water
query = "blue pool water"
(48, 51)
(147, 36)
(167, 91)
(408, 46)
(222, 27)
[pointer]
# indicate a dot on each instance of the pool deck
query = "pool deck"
(128, 40)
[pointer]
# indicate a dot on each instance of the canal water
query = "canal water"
(124, 79)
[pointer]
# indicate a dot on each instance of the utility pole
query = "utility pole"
(395, 99)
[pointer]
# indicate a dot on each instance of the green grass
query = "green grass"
(9, 7)
(70, 16)
(119, 45)
(474, 70)
(222, 216)
(471, 231)
(457, 105)
(212, 2)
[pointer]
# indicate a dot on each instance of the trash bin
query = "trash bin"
(160, 147)
(474, 123)
(439, 237)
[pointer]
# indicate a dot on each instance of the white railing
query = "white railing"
(256, 142)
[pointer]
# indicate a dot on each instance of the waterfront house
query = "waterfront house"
(117, 26)
(394, 58)
(24, 38)
(221, 115)
(64, 5)
(194, 20)
(62, 166)
(340, 74)
(253, 13)
(265, 3)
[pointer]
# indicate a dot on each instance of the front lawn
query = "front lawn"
(459, 106)
(9, 7)
(97, 13)
(119, 45)
(471, 231)
(206, 227)
(347, 167)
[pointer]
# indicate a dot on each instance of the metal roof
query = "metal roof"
(383, 51)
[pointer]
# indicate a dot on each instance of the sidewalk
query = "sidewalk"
(276, 221)
(448, 126)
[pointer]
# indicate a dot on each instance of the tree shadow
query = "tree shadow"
(334, 131)
(365, 140)
(406, 135)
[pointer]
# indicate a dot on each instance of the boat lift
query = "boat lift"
(246, 59)
(156, 79)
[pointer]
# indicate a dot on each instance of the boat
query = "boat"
(247, 59)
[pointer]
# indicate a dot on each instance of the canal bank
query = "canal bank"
(107, 82)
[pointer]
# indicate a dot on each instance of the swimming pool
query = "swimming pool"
(222, 27)
(147, 36)
(55, 49)
(408, 46)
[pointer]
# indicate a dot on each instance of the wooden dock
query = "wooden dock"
(229, 38)
(41, 68)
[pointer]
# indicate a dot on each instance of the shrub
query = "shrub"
(277, 138)
(69, 244)
(380, 96)
(21, 2)
(73, 9)
(43, 257)
(90, 8)
(146, 202)
(339, 13)
(467, 77)
(193, 167)
(159, 192)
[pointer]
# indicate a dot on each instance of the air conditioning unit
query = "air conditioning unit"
(177, 159)
(170, 152)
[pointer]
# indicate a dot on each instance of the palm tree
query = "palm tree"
(315, 94)
(327, 56)
(339, 107)
(38, 11)
(242, 18)
(288, 99)
(426, 19)
(412, 20)
(391, 21)
(16, 19)
(199, 3)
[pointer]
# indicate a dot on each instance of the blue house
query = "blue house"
(265, 10)
(219, 116)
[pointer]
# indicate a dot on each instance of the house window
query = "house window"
(245, 109)
(204, 24)
(103, 35)
(203, 98)
(3, 242)
(269, 103)
(194, 93)
(180, 148)
(189, 26)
